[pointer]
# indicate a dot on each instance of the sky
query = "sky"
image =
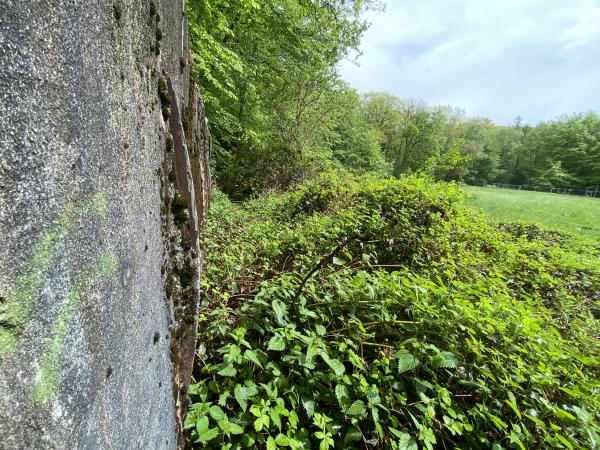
(492, 58)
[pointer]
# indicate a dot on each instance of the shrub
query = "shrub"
(356, 312)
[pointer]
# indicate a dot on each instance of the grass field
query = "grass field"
(579, 215)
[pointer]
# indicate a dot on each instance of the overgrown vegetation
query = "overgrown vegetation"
(280, 113)
(344, 308)
(358, 312)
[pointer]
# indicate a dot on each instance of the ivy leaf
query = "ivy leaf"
(271, 445)
(357, 408)
(276, 343)
(227, 371)
(447, 360)
(406, 361)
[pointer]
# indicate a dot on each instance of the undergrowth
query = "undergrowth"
(356, 312)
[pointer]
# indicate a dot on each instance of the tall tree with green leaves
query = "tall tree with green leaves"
(265, 67)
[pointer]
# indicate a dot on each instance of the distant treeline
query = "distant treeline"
(279, 111)
(564, 152)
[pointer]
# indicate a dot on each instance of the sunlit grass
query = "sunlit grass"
(579, 215)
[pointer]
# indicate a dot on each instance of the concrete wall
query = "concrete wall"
(99, 209)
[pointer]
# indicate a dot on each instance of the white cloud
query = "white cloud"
(495, 58)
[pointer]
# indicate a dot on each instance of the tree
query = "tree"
(555, 176)
(266, 67)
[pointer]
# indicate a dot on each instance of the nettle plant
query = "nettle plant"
(368, 313)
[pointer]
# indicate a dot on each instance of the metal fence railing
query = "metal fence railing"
(595, 193)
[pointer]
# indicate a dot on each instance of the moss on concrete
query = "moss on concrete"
(49, 374)
(19, 302)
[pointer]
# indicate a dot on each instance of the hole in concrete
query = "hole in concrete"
(117, 11)
(145, 248)
(156, 337)
(108, 372)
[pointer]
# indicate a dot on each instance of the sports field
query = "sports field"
(579, 215)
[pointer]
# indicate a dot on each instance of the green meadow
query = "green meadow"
(578, 215)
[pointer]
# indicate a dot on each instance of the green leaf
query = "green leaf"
(208, 435)
(338, 261)
(234, 428)
(205, 434)
(512, 402)
(276, 343)
(230, 427)
(309, 406)
(274, 415)
(279, 309)
(271, 445)
(251, 355)
(342, 395)
(535, 420)
(357, 408)
(282, 440)
(216, 413)
(223, 398)
(446, 360)
(335, 364)
(405, 440)
(228, 371)
(406, 361)
(202, 424)
(241, 396)
(353, 434)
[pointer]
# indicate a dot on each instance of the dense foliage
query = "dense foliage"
(280, 113)
(358, 312)
(562, 152)
(268, 73)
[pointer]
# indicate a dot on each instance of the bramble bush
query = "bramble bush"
(358, 312)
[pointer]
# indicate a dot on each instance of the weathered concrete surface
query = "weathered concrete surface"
(102, 180)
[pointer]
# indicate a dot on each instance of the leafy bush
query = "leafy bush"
(368, 313)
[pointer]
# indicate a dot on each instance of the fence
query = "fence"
(595, 193)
